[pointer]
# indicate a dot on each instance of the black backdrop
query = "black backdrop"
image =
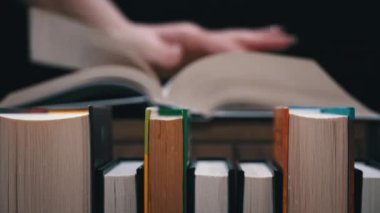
(342, 37)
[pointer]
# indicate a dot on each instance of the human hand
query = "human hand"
(166, 47)
(170, 46)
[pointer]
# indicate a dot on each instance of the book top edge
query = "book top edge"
(42, 116)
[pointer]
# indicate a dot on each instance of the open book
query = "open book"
(255, 79)
(252, 79)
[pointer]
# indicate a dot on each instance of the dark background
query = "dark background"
(342, 37)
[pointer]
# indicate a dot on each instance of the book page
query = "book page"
(49, 162)
(260, 80)
(64, 42)
(111, 75)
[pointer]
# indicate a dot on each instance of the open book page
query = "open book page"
(61, 41)
(108, 75)
(256, 79)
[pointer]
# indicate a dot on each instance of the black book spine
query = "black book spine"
(239, 191)
(277, 187)
(101, 153)
(140, 189)
(358, 190)
(231, 188)
(191, 187)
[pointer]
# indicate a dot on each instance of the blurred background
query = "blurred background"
(342, 37)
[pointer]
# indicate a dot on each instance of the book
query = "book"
(312, 147)
(121, 190)
(211, 186)
(165, 160)
(258, 187)
(48, 159)
(370, 187)
(227, 80)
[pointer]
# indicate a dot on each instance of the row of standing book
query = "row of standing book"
(61, 161)
(216, 185)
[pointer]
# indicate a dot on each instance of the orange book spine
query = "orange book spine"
(280, 149)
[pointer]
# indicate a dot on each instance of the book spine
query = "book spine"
(101, 152)
(182, 112)
(281, 149)
(146, 160)
(231, 188)
(239, 192)
(277, 187)
(191, 188)
(358, 190)
(140, 189)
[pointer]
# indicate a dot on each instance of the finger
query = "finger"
(272, 29)
(215, 43)
(177, 32)
(261, 40)
(268, 42)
